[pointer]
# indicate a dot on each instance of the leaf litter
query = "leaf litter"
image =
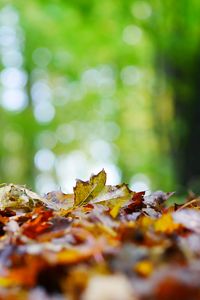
(102, 242)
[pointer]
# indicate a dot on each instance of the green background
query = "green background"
(86, 85)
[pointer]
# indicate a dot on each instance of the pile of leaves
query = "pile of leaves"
(100, 243)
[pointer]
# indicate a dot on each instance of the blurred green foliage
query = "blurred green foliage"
(87, 84)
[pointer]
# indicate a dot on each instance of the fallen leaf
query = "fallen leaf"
(166, 224)
(84, 191)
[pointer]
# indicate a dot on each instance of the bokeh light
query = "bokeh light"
(85, 89)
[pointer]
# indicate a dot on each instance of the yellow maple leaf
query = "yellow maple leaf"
(166, 224)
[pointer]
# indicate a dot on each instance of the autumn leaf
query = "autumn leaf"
(95, 191)
(38, 224)
(18, 197)
(59, 201)
(189, 218)
(136, 203)
(84, 191)
(166, 224)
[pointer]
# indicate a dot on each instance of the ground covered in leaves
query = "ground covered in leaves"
(100, 243)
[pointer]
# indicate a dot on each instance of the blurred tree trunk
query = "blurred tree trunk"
(187, 111)
(185, 135)
(177, 38)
